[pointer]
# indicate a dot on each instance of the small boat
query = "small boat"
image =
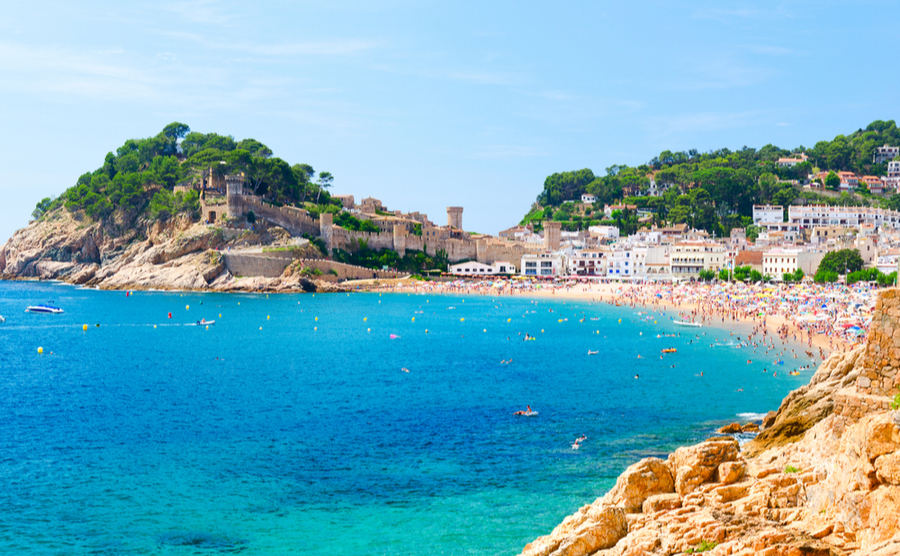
(204, 322)
(670, 350)
(683, 323)
(44, 309)
(2, 319)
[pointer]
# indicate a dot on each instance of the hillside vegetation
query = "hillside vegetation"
(714, 191)
(140, 176)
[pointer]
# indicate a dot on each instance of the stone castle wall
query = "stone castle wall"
(266, 265)
(489, 252)
(346, 271)
(297, 221)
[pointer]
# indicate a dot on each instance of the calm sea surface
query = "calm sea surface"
(290, 427)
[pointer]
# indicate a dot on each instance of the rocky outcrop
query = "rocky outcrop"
(806, 406)
(825, 480)
(123, 253)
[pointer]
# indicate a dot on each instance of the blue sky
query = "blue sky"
(426, 104)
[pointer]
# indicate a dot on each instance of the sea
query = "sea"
(341, 424)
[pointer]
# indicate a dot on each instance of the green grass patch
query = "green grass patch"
(701, 546)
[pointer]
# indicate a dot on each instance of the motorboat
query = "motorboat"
(204, 322)
(44, 309)
(2, 319)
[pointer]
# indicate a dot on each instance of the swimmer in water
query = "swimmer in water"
(526, 412)
(637, 376)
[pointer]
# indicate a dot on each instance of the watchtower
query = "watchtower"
(234, 195)
(454, 217)
(552, 234)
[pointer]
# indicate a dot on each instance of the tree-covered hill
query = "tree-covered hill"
(140, 177)
(716, 190)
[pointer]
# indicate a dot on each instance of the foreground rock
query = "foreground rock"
(822, 479)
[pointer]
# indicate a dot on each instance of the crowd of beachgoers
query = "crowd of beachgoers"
(823, 317)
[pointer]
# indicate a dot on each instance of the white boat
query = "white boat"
(683, 323)
(2, 319)
(44, 309)
(203, 323)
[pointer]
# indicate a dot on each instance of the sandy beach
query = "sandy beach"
(815, 316)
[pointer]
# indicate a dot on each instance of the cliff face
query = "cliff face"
(127, 253)
(822, 479)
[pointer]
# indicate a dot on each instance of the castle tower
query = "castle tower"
(454, 217)
(552, 234)
(326, 229)
(400, 235)
(234, 189)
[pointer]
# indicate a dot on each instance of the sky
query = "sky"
(425, 104)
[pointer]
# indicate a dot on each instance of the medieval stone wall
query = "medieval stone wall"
(348, 272)
(297, 221)
(491, 251)
(266, 265)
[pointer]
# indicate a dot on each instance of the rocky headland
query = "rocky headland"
(124, 252)
(822, 478)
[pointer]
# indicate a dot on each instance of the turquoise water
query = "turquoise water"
(262, 435)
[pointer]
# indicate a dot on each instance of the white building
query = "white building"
(688, 258)
(768, 213)
(885, 153)
(587, 198)
(604, 232)
(588, 262)
(792, 161)
(886, 261)
(620, 263)
(543, 264)
(823, 215)
(473, 268)
(779, 261)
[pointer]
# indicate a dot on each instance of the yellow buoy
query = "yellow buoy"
(542, 330)
(508, 320)
(84, 327)
(40, 350)
(462, 320)
(654, 322)
(485, 329)
(368, 329)
(187, 307)
(154, 326)
(426, 331)
(315, 328)
(414, 319)
(207, 327)
(620, 321)
(365, 319)
(317, 319)
(260, 327)
(268, 317)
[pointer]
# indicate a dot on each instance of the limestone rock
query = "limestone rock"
(750, 427)
(732, 471)
(806, 406)
(730, 429)
(887, 468)
(593, 528)
(640, 481)
(695, 465)
(660, 502)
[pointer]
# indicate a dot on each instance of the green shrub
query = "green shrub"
(791, 469)
(895, 404)
(701, 546)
